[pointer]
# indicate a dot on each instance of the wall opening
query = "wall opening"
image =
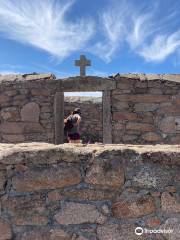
(90, 103)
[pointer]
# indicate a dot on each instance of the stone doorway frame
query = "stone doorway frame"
(84, 84)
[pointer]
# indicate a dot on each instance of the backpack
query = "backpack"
(69, 124)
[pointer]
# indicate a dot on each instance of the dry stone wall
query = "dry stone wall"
(146, 110)
(91, 124)
(26, 112)
(88, 192)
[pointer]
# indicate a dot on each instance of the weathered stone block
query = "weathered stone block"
(152, 137)
(176, 99)
(89, 194)
(23, 208)
(175, 139)
(126, 209)
(167, 125)
(16, 138)
(108, 174)
(171, 189)
(155, 91)
(124, 116)
(47, 109)
(153, 222)
(12, 128)
(36, 220)
(59, 234)
(40, 92)
(129, 138)
(20, 128)
(125, 86)
(54, 196)
(116, 105)
(141, 84)
(146, 117)
(142, 127)
(5, 230)
(76, 213)
(152, 177)
(45, 234)
(30, 112)
(171, 110)
(145, 107)
(117, 126)
(118, 232)
(141, 90)
(143, 98)
(169, 203)
(11, 93)
(10, 113)
(49, 178)
(42, 76)
(36, 234)
(172, 224)
(3, 98)
(20, 98)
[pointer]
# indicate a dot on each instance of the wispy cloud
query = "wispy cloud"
(140, 28)
(112, 24)
(43, 24)
(135, 26)
(161, 47)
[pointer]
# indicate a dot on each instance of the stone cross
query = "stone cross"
(82, 63)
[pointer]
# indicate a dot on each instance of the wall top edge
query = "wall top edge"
(168, 154)
(49, 76)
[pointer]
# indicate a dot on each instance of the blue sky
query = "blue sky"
(117, 35)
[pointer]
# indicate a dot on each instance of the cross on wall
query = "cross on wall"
(82, 63)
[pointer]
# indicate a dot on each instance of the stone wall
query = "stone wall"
(146, 110)
(26, 111)
(91, 124)
(91, 192)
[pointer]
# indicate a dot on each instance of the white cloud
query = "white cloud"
(43, 24)
(161, 47)
(112, 25)
(140, 28)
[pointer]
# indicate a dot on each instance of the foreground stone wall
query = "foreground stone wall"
(88, 192)
(91, 124)
(146, 109)
(26, 111)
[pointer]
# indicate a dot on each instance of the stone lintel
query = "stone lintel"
(87, 83)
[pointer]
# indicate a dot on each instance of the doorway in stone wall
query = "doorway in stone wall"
(59, 118)
(90, 103)
(83, 84)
